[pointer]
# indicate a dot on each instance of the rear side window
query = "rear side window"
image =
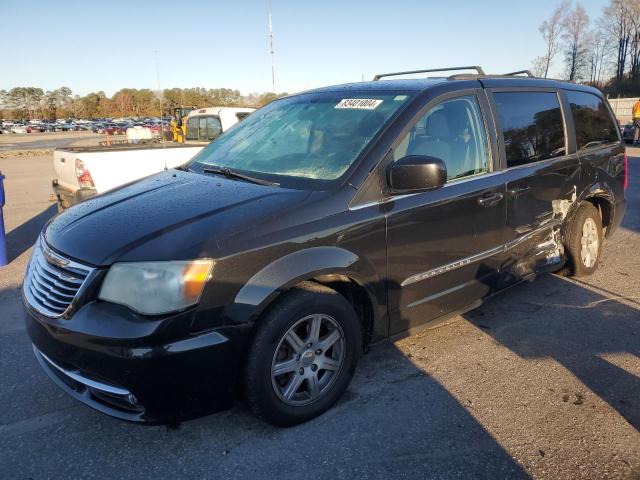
(532, 126)
(594, 124)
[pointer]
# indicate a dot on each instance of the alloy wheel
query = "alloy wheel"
(308, 359)
(590, 242)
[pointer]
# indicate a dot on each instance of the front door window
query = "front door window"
(454, 132)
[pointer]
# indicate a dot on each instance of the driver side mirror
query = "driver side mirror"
(416, 173)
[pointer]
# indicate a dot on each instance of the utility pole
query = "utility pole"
(161, 106)
(271, 52)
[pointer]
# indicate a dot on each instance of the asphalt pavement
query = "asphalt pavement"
(48, 140)
(542, 381)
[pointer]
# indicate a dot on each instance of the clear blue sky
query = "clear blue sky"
(108, 45)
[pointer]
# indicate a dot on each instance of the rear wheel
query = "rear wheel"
(584, 241)
(303, 355)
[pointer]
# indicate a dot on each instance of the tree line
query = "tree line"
(604, 52)
(23, 103)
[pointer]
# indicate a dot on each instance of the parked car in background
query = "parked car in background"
(18, 129)
(116, 129)
(628, 132)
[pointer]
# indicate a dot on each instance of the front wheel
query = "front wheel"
(303, 355)
(584, 241)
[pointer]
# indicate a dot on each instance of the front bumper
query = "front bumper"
(140, 371)
(67, 197)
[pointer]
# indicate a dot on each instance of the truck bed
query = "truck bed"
(128, 146)
(110, 167)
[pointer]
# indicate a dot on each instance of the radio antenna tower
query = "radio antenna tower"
(271, 52)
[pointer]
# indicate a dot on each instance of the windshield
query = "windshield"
(306, 141)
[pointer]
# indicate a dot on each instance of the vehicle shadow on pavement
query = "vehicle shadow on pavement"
(22, 238)
(587, 333)
(396, 419)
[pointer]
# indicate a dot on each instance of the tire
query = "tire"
(275, 398)
(585, 227)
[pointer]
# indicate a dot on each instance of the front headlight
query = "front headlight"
(152, 288)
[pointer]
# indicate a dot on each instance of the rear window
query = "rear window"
(203, 128)
(594, 124)
(532, 126)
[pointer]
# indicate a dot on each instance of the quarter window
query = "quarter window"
(594, 124)
(532, 126)
(454, 132)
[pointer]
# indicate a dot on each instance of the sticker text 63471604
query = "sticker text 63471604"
(359, 103)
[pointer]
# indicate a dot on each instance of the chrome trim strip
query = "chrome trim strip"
(470, 178)
(83, 380)
(418, 277)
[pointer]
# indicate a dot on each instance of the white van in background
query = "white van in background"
(205, 124)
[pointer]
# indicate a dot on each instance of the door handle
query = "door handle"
(490, 199)
(519, 190)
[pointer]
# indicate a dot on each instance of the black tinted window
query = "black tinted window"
(594, 125)
(532, 126)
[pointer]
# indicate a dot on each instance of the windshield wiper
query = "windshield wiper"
(227, 172)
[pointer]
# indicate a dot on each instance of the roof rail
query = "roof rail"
(395, 74)
(519, 72)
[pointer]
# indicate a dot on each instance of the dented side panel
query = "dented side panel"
(540, 197)
(602, 179)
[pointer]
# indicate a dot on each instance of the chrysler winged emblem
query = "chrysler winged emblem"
(54, 259)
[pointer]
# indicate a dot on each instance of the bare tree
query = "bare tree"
(618, 22)
(538, 66)
(633, 10)
(551, 30)
(599, 53)
(575, 34)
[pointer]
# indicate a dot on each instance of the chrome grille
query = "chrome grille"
(52, 282)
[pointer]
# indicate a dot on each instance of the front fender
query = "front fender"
(282, 274)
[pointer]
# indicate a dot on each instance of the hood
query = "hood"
(174, 215)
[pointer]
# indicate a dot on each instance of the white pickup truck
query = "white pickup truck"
(82, 172)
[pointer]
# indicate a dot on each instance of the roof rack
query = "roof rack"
(519, 72)
(395, 74)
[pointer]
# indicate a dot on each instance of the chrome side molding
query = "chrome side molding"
(419, 277)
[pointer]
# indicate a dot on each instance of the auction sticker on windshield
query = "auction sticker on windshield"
(359, 103)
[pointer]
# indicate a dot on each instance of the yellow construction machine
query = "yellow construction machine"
(179, 123)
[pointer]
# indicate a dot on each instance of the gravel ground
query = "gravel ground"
(542, 381)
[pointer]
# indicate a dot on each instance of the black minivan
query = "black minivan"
(325, 221)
